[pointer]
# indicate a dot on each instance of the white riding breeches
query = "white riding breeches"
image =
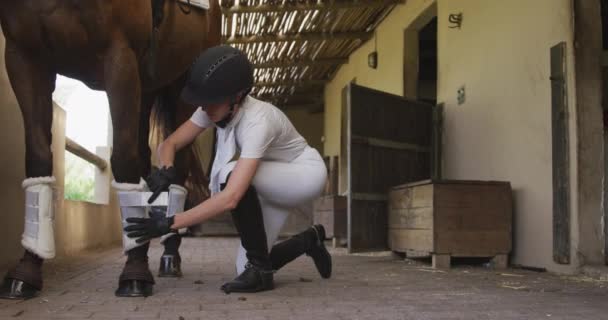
(283, 187)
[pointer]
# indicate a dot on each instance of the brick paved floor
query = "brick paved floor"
(363, 287)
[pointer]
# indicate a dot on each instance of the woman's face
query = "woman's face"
(217, 112)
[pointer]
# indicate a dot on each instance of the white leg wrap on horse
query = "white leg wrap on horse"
(176, 201)
(38, 234)
(133, 204)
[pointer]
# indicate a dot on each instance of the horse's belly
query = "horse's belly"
(58, 29)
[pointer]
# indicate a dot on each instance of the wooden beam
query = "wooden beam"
(300, 63)
(311, 82)
(389, 144)
(314, 96)
(605, 58)
(310, 107)
(310, 36)
(334, 5)
(78, 150)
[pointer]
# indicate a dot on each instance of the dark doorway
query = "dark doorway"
(427, 62)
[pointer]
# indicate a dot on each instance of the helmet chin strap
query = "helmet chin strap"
(233, 102)
(224, 122)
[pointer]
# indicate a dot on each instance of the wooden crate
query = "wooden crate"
(446, 218)
(330, 211)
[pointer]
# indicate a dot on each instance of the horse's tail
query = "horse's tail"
(168, 113)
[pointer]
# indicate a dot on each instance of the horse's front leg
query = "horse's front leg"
(123, 87)
(33, 83)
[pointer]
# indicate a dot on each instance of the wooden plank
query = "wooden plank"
(378, 169)
(419, 197)
(346, 163)
(560, 148)
(471, 219)
(416, 218)
(417, 254)
(328, 203)
(403, 239)
(472, 243)
(459, 196)
(441, 261)
(401, 120)
(500, 261)
(86, 155)
(388, 144)
(472, 195)
(334, 171)
(444, 181)
(369, 196)
(437, 145)
(369, 226)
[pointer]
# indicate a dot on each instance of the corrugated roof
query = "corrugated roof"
(297, 46)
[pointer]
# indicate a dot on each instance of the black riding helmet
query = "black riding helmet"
(219, 74)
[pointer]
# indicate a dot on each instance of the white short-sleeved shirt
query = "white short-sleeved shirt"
(262, 132)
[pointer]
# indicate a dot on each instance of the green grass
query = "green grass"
(79, 179)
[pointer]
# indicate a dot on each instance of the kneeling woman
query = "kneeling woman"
(276, 172)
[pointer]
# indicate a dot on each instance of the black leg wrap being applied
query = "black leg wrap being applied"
(308, 242)
(249, 223)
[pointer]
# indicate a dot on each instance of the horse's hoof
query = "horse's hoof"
(17, 290)
(134, 288)
(170, 266)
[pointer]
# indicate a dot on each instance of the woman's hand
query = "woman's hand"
(145, 229)
(160, 180)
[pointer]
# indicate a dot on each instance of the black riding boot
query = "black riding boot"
(249, 222)
(309, 242)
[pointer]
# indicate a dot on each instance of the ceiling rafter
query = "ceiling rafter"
(309, 36)
(266, 8)
(300, 63)
(278, 83)
(309, 96)
(298, 46)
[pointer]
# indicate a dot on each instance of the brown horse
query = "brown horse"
(105, 44)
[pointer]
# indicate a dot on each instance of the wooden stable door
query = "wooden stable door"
(387, 140)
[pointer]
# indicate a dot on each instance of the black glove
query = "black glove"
(145, 229)
(160, 180)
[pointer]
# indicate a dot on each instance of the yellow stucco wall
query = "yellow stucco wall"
(12, 169)
(309, 125)
(503, 130)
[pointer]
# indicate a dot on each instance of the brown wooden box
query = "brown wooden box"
(451, 218)
(330, 211)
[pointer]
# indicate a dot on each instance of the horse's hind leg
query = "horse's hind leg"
(123, 87)
(33, 83)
